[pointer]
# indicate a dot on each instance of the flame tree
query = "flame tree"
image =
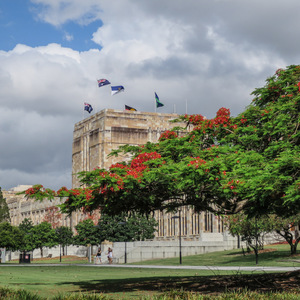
(225, 164)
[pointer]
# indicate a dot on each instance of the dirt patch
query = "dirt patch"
(259, 251)
(65, 258)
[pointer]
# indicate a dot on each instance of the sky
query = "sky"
(198, 56)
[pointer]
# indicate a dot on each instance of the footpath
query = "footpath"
(209, 268)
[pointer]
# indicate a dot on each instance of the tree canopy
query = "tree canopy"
(26, 225)
(4, 210)
(87, 234)
(124, 228)
(64, 235)
(40, 236)
(225, 164)
(11, 237)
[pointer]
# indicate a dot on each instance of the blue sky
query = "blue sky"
(20, 25)
(208, 54)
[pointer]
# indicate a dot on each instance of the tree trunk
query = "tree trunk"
(255, 249)
(293, 248)
(297, 234)
(288, 236)
(256, 255)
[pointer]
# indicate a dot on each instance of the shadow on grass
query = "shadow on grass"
(268, 282)
(269, 255)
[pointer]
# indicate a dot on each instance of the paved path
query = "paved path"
(209, 268)
(212, 268)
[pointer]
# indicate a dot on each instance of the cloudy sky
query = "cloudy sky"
(206, 53)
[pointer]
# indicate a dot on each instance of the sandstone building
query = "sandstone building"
(21, 208)
(96, 136)
(93, 139)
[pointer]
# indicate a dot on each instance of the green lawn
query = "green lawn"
(280, 257)
(112, 281)
(48, 281)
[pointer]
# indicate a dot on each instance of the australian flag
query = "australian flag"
(102, 82)
(88, 107)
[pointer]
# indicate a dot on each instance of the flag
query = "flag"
(158, 103)
(88, 107)
(117, 89)
(102, 82)
(129, 108)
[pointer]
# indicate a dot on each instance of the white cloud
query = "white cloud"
(68, 37)
(210, 53)
(58, 12)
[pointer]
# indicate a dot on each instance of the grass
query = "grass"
(273, 255)
(118, 281)
(129, 283)
(9, 294)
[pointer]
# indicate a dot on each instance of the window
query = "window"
(208, 222)
(195, 223)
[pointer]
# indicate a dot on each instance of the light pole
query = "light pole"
(59, 252)
(97, 228)
(179, 237)
(125, 258)
(60, 237)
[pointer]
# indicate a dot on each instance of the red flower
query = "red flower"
(168, 135)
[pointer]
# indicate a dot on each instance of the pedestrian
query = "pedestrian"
(110, 256)
(98, 257)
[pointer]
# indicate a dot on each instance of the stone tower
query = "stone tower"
(95, 137)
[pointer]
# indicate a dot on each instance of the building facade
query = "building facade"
(21, 208)
(95, 137)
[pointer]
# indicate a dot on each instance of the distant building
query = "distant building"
(21, 208)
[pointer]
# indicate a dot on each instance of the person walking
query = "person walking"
(98, 257)
(110, 256)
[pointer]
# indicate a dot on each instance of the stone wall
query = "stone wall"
(141, 250)
(95, 137)
(148, 250)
